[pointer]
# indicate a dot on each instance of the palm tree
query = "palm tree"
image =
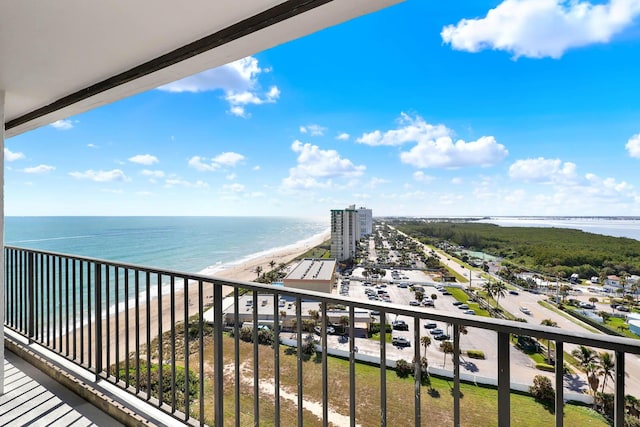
(426, 342)
(607, 367)
(593, 300)
(272, 264)
(283, 316)
(488, 288)
(588, 359)
(258, 270)
(282, 266)
(553, 324)
(315, 315)
(446, 347)
(499, 290)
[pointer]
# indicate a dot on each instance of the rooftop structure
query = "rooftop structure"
(312, 274)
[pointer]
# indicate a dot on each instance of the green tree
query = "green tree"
(446, 347)
(605, 316)
(542, 389)
(258, 270)
(315, 316)
(272, 264)
(606, 367)
(488, 289)
(553, 324)
(426, 342)
(499, 290)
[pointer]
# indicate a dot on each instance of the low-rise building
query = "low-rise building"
(312, 274)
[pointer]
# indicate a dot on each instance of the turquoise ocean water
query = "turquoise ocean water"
(189, 244)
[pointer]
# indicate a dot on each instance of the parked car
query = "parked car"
(400, 342)
(414, 303)
(441, 337)
(622, 308)
(525, 310)
(513, 292)
(457, 303)
(428, 302)
(471, 312)
(400, 325)
(437, 331)
(587, 305)
(430, 325)
(463, 307)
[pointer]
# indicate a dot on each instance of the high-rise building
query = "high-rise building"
(347, 227)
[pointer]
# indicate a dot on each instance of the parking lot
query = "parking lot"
(400, 292)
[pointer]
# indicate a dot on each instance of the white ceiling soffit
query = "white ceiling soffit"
(61, 58)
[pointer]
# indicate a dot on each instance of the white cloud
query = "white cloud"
(101, 176)
(456, 180)
(62, 124)
(256, 168)
(39, 169)
(542, 28)
(235, 187)
(374, 182)
(235, 76)
(153, 173)
(238, 80)
(197, 163)
(144, 159)
(231, 176)
(633, 146)
(10, 156)
(178, 182)
(228, 158)
(92, 146)
(444, 153)
(315, 164)
(343, 136)
(422, 177)
(238, 111)
(410, 130)
(543, 170)
(313, 130)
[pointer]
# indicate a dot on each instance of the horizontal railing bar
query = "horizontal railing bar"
(623, 344)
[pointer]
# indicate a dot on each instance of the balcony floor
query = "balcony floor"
(32, 398)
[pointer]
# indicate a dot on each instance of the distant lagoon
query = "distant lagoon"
(608, 226)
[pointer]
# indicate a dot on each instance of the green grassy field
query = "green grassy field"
(479, 404)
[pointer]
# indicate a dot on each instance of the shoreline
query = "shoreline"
(186, 299)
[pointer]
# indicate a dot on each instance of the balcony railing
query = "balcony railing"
(144, 330)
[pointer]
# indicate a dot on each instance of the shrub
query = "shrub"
(375, 328)
(542, 390)
(475, 354)
(246, 334)
(403, 368)
(545, 367)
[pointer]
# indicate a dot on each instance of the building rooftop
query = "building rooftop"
(313, 269)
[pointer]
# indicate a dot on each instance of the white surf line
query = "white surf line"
(268, 387)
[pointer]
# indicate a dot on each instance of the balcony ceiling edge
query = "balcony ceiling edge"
(71, 84)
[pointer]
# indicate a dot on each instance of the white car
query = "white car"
(525, 310)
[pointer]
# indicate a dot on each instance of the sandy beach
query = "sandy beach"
(160, 312)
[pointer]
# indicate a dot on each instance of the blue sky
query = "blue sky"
(514, 107)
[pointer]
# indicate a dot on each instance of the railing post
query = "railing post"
(504, 386)
(218, 361)
(97, 274)
(618, 411)
(30, 298)
(456, 375)
(559, 384)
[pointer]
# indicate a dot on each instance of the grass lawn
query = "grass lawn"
(479, 404)
(462, 296)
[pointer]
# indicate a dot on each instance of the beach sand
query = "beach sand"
(187, 305)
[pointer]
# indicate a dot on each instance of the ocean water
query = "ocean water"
(608, 226)
(189, 244)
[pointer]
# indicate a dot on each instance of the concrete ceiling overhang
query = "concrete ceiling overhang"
(61, 58)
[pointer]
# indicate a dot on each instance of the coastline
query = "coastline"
(186, 304)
